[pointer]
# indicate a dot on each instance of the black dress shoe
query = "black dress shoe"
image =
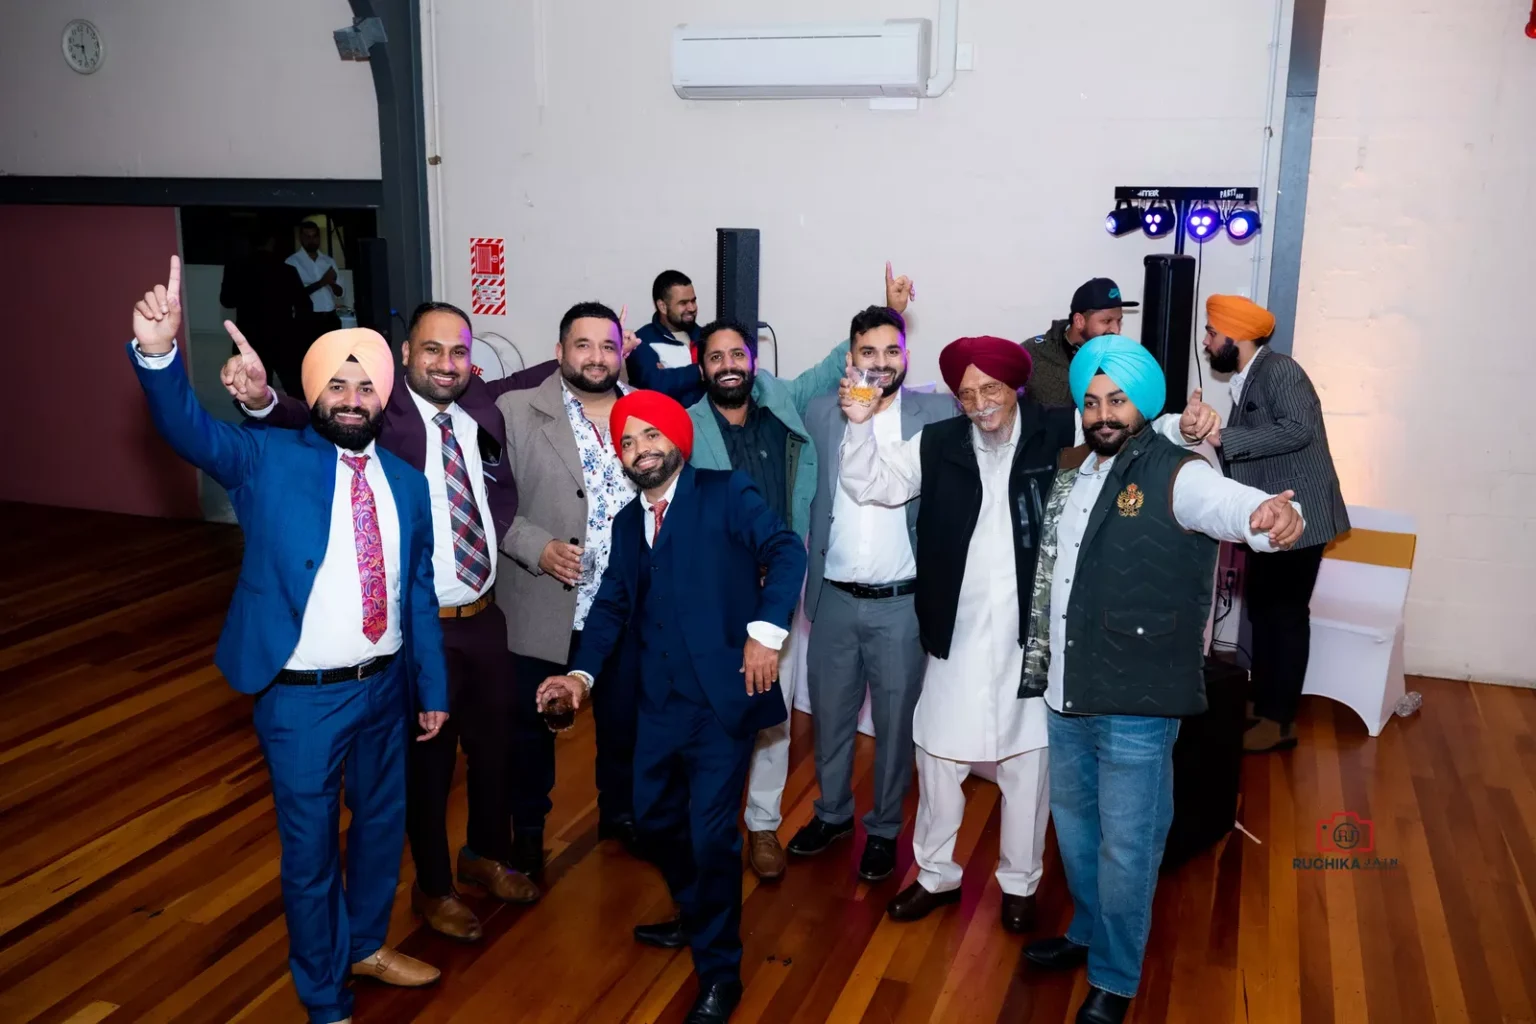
(528, 854)
(619, 830)
(1018, 914)
(879, 859)
(914, 902)
(1102, 1008)
(815, 837)
(1056, 954)
(663, 935)
(715, 1004)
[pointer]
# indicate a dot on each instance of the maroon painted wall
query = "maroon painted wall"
(74, 430)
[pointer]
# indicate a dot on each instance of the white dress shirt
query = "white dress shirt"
(870, 544)
(331, 635)
(1204, 501)
(452, 591)
(311, 270)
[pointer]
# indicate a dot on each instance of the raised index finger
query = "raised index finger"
(623, 312)
(173, 284)
(889, 277)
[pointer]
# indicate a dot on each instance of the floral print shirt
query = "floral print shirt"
(608, 491)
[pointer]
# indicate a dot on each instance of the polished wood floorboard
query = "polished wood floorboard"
(139, 879)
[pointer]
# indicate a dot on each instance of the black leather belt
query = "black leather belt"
(876, 593)
(324, 677)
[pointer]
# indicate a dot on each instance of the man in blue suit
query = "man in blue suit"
(708, 575)
(333, 623)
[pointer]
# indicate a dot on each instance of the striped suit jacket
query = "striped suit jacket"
(1276, 441)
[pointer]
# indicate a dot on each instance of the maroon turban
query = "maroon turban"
(657, 409)
(996, 357)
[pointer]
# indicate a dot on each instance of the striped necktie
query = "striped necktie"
(471, 557)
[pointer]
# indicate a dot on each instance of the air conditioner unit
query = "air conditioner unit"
(840, 61)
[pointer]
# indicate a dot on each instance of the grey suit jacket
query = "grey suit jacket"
(824, 419)
(542, 454)
(1275, 441)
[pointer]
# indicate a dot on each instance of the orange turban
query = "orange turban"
(661, 411)
(1238, 318)
(329, 351)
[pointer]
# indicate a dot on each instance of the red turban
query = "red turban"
(996, 357)
(657, 409)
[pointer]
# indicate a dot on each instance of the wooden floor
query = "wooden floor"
(140, 858)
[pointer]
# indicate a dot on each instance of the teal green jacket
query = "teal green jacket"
(786, 399)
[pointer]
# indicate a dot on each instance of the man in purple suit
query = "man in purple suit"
(442, 419)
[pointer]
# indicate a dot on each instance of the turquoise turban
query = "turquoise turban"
(1125, 362)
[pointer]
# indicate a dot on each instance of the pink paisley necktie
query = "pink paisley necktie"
(370, 551)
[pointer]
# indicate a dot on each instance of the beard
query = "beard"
(683, 321)
(577, 378)
(658, 474)
(894, 386)
(1224, 359)
(423, 384)
(730, 397)
(352, 437)
(1106, 437)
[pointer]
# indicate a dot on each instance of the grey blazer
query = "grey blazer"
(542, 454)
(1275, 441)
(824, 419)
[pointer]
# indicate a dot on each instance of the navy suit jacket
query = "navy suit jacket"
(404, 433)
(282, 484)
(718, 531)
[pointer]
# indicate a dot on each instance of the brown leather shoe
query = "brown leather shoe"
(497, 879)
(766, 855)
(446, 915)
(1018, 914)
(914, 902)
(1267, 736)
(393, 967)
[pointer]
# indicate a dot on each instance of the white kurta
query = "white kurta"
(970, 708)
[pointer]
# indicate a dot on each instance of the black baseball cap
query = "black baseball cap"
(1100, 293)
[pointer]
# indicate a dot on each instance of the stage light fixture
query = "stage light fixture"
(1123, 220)
(1202, 223)
(1159, 220)
(1243, 224)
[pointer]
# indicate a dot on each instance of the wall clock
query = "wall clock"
(83, 48)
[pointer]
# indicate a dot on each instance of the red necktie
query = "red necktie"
(659, 510)
(370, 551)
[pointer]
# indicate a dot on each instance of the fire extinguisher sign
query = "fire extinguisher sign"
(488, 276)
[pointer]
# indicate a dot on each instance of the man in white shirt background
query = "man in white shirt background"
(317, 272)
(333, 622)
(859, 595)
(1120, 599)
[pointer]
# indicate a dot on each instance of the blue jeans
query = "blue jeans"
(311, 736)
(1112, 801)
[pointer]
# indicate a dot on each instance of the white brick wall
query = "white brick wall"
(1416, 302)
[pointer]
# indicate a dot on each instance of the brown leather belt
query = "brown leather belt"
(464, 611)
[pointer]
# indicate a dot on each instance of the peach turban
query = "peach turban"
(1238, 318)
(329, 351)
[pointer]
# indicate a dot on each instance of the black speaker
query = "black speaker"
(736, 266)
(1208, 766)
(370, 282)
(1167, 318)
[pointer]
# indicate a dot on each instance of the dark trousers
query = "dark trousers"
(614, 696)
(1277, 596)
(480, 695)
(310, 736)
(689, 773)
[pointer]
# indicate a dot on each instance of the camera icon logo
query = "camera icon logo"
(1346, 832)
